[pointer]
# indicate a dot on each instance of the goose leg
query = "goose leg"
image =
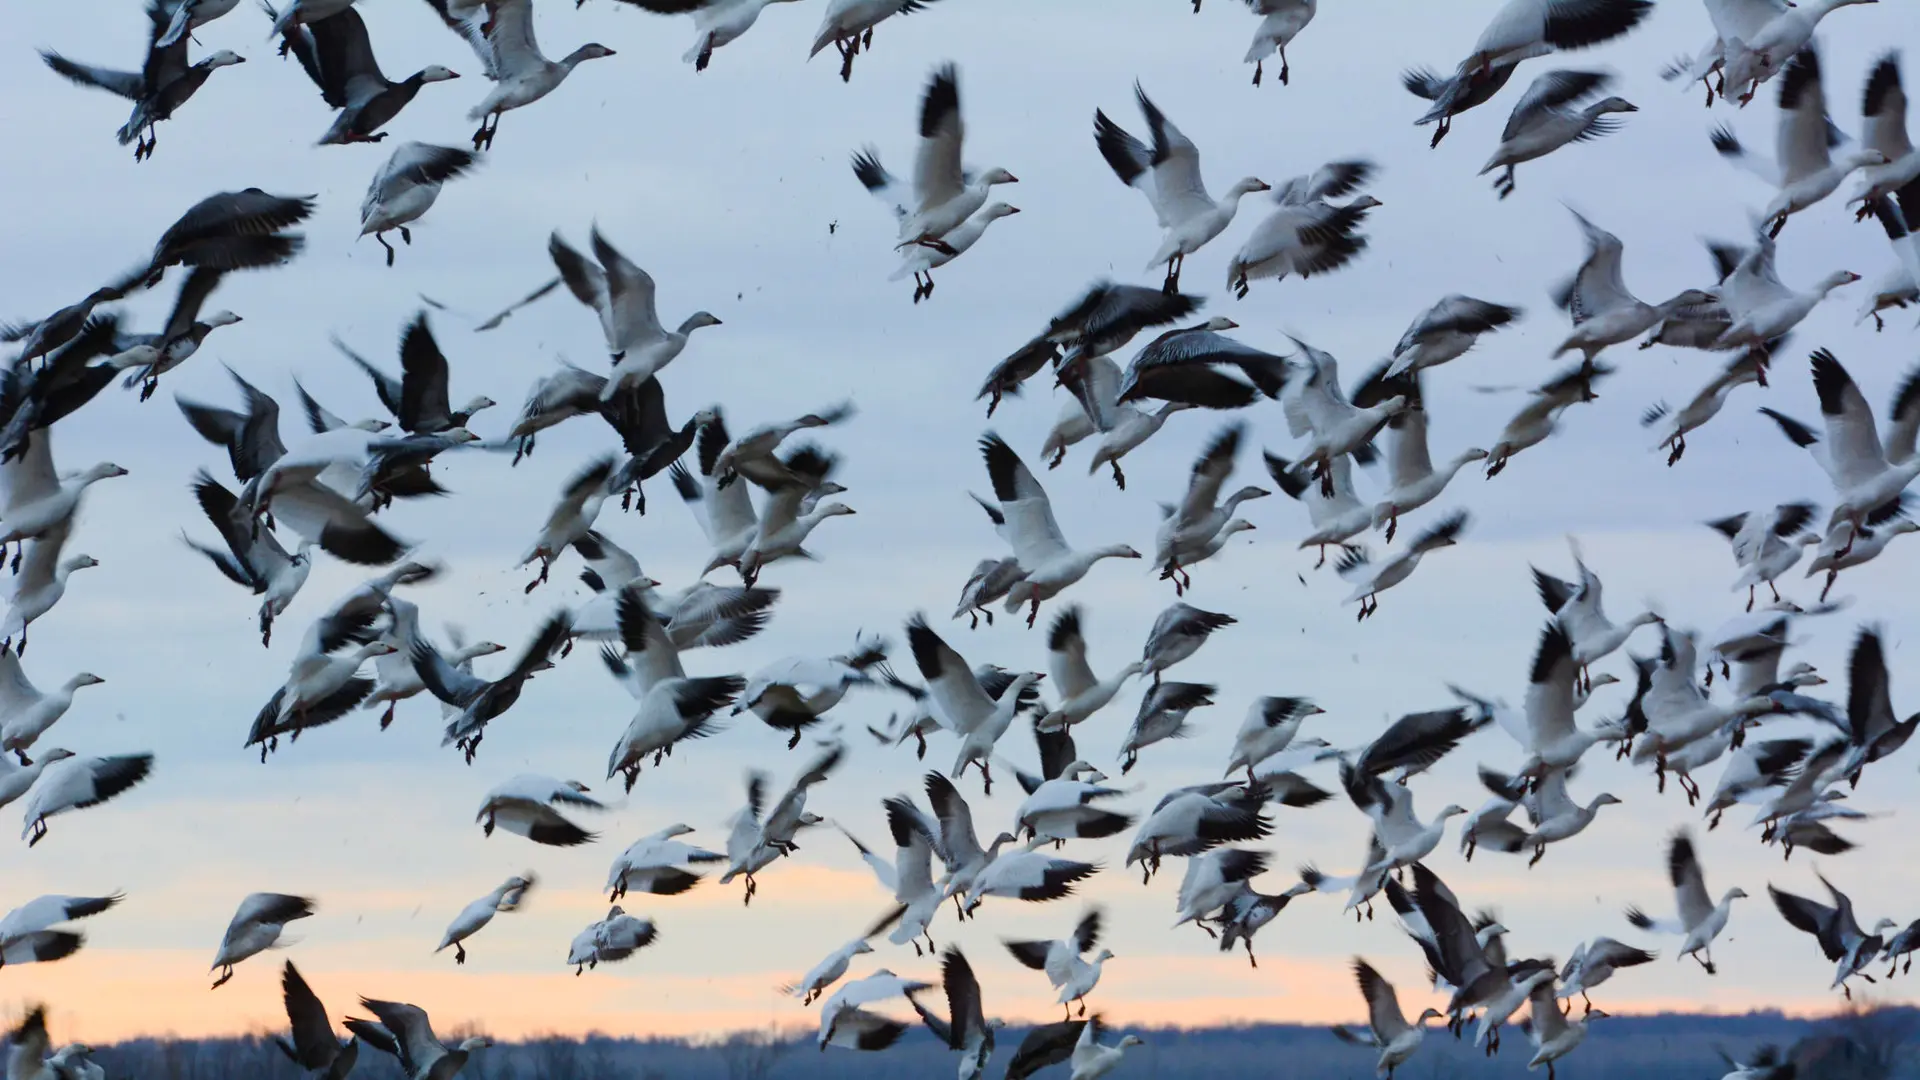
(1775, 591)
(386, 718)
(706, 55)
(459, 953)
(381, 239)
(1119, 478)
(1033, 613)
(226, 973)
(1251, 959)
(1257, 64)
(867, 40)
(1285, 72)
(846, 60)
(1393, 522)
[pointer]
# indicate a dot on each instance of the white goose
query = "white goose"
(1282, 21)
(405, 1032)
(1336, 517)
(1884, 107)
(27, 934)
(1091, 1059)
(657, 864)
(1539, 418)
(1549, 116)
(1845, 547)
(622, 295)
(1866, 471)
(1446, 331)
(256, 927)
(944, 193)
(406, 187)
(715, 22)
(1577, 607)
(66, 782)
(848, 26)
(1804, 171)
(1760, 308)
(965, 705)
(1749, 367)
(1604, 313)
(1061, 960)
(1026, 875)
(1051, 566)
(1767, 543)
(909, 875)
(501, 34)
(1554, 1035)
(1169, 176)
(38, 501)
(1371, 579)
(1412, 479)
(1269, 728)
(1403, 839)
(25, 712)
(17, 779)
(529, 804)
(1387, 1028)
(1202, 515)
(475, 916)
(924, 259)
(1700, 919)
(1306, 235)
(1081, 694)
(1762, 53)
(1318, 410)
(1523, 29)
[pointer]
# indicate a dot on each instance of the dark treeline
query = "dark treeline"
(1878, 1044)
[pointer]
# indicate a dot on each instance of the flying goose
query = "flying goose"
(572, 516)
(1281, 22)
(1874, 729)
(28, 934)
(1400, 836)
(337, 55)
(231, 230)
(658, 864)
(17, 779)
(1177, 633)
(1370, 579)
(1318, 410)
(959, 847)
(1860, 545)
(406, 187)
(944, 193)
(638, 414)
(1413, 480)
(480, 701)
(1523, 29)
(1061, 960)
(622, 295)
(37, 500)
(1867, 470)
(963, 702)
(313, 1047)
(672, 709)
(1066, 805)
(1103, 320)
(845, 1023)
(924, 259)
(1804, 172)
(965, 1027)
(405, 1032)
(715, 22)
(164, 83)
(1306, 234)
(1767, 543)
(752, 454)
(25, 712)
(1594, 962)
(1336, 518)
(1162, 715)
(1093, 1059)
(1840, 937)
(256, 927)
(511, 57)
(848, 26)
(1554, 1035)
(1387, 1029)
(1596, 299)
(1883, 108)
(251, 438)
(1081, 694)
(1188, 365)
(1700, 919)
(829, 970)
(1446, 331)
(418, 399)
(1268, 729)
(1764, 52)
(1761, 309)
(792, 695)
(1551, 115)
(1169, 175)
(1536, 421)
(1027, 875)
(1754, 770)
(1033, 533)
(530, 804)
(1200, 515)
(1189, 821)
(472, 918)
(396, 679)
(71, 783)
(1577, 608)
(909, 875)
(1212, 881)
(323, 680)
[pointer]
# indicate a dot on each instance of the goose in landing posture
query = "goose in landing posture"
(1804, 171)
(1387, 1029)
(472, 918)
(500, 33)
(313, 1047)
(1051, 566)
(405, 1032)
(256, 927)
(1550, 116)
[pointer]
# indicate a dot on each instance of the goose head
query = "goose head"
(1103, 956)
(1131, 1040)
(1117, 551)
(477, 404)
(1247, 186)
(79, 562)
(221, 318)
(998, 210)
(998, 176)
(459, 435)
(223, 58)
(1247, 494)
(1835, 280)
(592, 50)
(1472, 453)
(478, 1042)
(833, 509)
(697, 320)
(106, 470)
(1613, 105)
(52, 756)
(1430, 1013)
(1237, 525)
(1602, 799)
(1861, 159)
(436, 73)
(370, 425)
(85, 678)
(1364, 202)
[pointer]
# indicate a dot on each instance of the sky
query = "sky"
(732, 188)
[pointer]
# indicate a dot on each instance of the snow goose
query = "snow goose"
(481, 701)
(1413, 481)
(1523, 29)
(1767, 543)
(1162, 715)
(1081, 694)
(944, 193)
(572, 516)
(405, 189)
(1760, 308)
(699, 615)
(959, 847)
(1185, 365)
(965, 1027)
(1454, 94)
(1306, 235)
(177, 341)
(1754, 770)
(1446, 331)
(1370, 579)
(1471, 961)
(789, 815)
(672, 710)
(1545, 727)
(1734, 24)
(1212, 881)
(909, 875)
(1540, 417)
(1594, 962)
(792, 695)
(529, 804)
(1804, 172)
(256, 927)
(472, 918)
(396, 679)
(231, 230)
(16, 779)
(27, 1047)
(1281, 22)
(405, 1032)
(725, 513)
(1269, 728)
(1604, 313)
(1897, 288)
(323, 684)
(747, 850)
(1122, 428)
(1807, 789)
(254, 558)
(313, 1046)
(1577, 607)
(509, 55)
(924, 259)
(72, 783)
(638, 414)
(715, 22)
(1093, 1059)
(1549, 116)
(1061, 960)
(1866, 469)
(1189, 821)
(1764, 53)
(38, 501)
(553, 399)
(189, 15)
(1065, 806)
(844, 1023)
(1553, 1034)
(752, 455)
(25, 712)
(163, 84)
(1336, 518)
(1401, 837)
(337, 55)
(960, 699)
(1884, 107)
(28, 934)
(1319, 411)
(1553, 813)
(1169, 175)
(792, 512)
(848, 27)
(659, 864)
(1027, 875)
(829, 970)
(1905, 943)
(1177, 633)
(1101, 321)
(1860, 545)
(1700, 920)
(1033, 533)
(1387, 1029)
(1840, 936)
(622, 295)
(41, 338)
(1873, 727)
(1414, 742)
